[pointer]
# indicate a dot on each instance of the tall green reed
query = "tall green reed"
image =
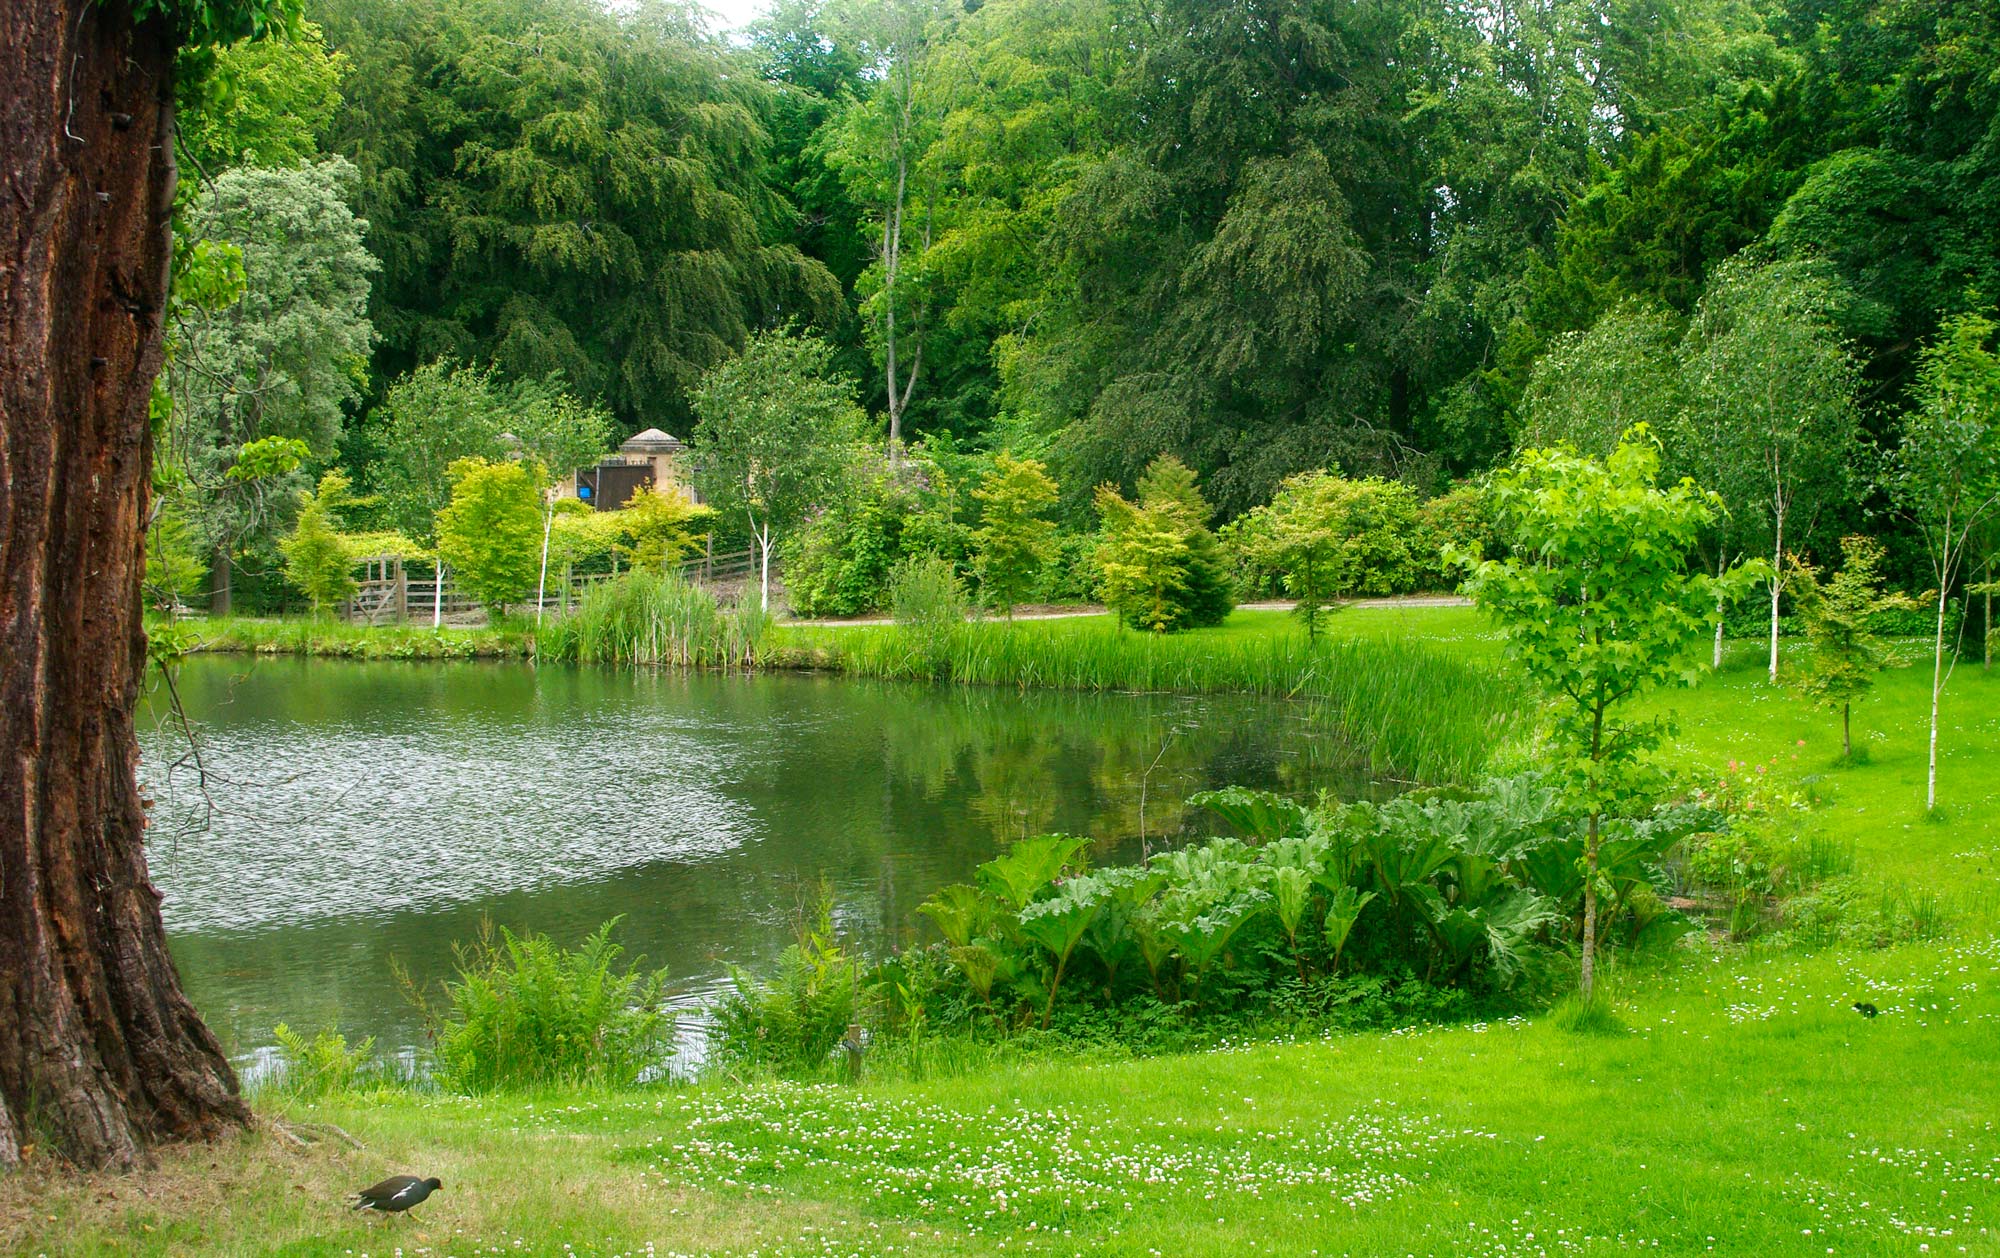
(656, 619)
(1412, 710)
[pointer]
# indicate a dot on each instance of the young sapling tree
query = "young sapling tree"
(1143, 558)
(1846, 652)
(1599, 608)
(1947, 471)
(775, 428)
(316, 560)
(1300, 535)
(491, 530)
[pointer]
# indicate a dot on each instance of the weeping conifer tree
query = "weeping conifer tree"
(563, 186)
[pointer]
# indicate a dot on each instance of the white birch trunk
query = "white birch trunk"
(1779, 504)
(1937, 686)
(542, 582)
(1721, 566)
(1776, 586)
(763, 539)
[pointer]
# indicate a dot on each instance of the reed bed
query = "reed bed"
(657, 620)
(1412, 710)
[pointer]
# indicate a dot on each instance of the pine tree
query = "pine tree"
(1014, 541)
(1846, 653)
(1205, 595)
(1163, 568)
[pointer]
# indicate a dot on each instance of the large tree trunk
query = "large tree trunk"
(220, 581)
(100, 1053)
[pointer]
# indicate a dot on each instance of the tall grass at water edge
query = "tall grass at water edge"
(653, 619)
(1413, 710)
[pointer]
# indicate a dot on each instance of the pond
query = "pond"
(360, 819)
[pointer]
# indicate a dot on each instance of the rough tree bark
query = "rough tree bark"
(101, 1055)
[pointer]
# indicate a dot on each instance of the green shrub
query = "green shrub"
(1383, 546)
(1458, 522)
(838, 565)
(792, 1022)
(657, 528)
(525, 1012)
(1071, 575)
(321, 1065)
(1325, 536)
(1161, 568)
(929, 603)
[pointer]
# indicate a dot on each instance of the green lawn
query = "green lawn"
(1737, 715)
(1745, 1109)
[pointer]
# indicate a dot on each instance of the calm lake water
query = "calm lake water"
(365, 816)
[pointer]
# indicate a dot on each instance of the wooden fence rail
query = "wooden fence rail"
(388, 594)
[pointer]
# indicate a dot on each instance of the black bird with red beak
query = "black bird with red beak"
(395, 1194)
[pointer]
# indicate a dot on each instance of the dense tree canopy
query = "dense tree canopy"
(280, 361)
(555, 186)
(1265, 238)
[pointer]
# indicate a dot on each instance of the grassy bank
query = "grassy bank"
(1745, 1109)
(338, 639)
(1735, 725)
(1384, 679)
(1416, 710)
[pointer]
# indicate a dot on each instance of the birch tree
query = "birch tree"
(1947, 473)
(774, 429)
(1771, 387)
(879, 145)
